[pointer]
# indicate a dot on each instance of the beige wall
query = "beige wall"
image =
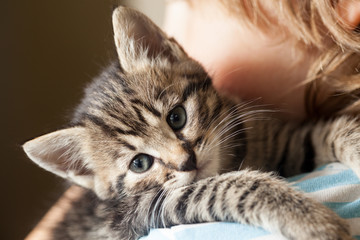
(49, 51)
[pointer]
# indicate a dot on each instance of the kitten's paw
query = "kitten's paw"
(324, 224)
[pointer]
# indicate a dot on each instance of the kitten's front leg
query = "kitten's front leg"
(257, 199)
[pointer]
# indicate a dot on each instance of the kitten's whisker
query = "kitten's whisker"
(229, 113)
(162, 209)
(247, 112)
(228, 137)
(150, 220)
(230, 146)
(214, 143)
(243, 117)
(228, 127)
(155, 211)
(241, 164)
(232, 124)
(242, 107)
(236, 106)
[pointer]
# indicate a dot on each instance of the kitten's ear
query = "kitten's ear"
(138, 40)
(62, 153)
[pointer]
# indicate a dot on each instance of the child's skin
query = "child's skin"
(242, 61)
(245, 61)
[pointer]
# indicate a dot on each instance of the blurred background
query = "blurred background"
(50, 50)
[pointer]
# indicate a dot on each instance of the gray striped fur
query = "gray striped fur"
(193, 177)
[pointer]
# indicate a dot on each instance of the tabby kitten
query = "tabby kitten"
(155, 145)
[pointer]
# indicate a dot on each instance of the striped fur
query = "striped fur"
(124, 113)
(296, 148)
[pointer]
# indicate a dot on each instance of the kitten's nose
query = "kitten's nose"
(190, 163)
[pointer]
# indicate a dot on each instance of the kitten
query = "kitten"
(155, 145)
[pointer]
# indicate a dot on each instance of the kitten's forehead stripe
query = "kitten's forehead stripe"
(193, 87)
(150, 108)
(120, 101)
(111, 130)
(127, 132)
(140, 117)
(99, 122)
(127, 145)
(115, 154)
(118, 117)
(115, 74)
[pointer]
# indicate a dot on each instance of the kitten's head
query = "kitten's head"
(151, 119)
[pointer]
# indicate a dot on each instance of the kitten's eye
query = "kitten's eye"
(141, 163)
(177, 118)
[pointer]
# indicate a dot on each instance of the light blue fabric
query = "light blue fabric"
(335, 185)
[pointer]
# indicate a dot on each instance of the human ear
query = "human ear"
(349, 12)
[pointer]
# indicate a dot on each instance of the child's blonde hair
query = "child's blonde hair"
(333, 81)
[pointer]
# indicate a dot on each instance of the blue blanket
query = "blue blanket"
(335, 185)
